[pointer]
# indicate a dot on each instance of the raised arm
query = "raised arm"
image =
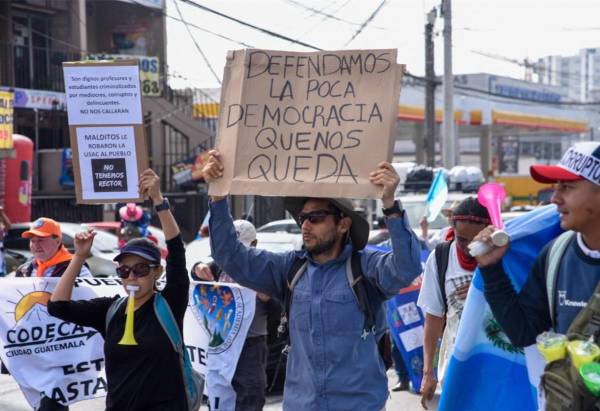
(524, 315)
(395, 270)
(83, 244)
(177, 288)
(150, 186)
(259, 270)
(5, 220)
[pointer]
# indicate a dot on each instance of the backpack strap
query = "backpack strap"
(553, 258)
(358, 285)
(165, 317)
(442, 255)
(296, 271)
(112, 310)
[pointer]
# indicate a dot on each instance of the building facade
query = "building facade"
(579, 74)
(37, 36)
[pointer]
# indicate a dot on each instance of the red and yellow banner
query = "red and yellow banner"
(6, 119)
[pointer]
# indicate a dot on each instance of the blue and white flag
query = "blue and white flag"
(486, 372)
(437, 196)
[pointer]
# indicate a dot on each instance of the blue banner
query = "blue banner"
(405, 321)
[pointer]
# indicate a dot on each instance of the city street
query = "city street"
(11, 399)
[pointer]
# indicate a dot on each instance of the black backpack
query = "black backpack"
(442, 255)
(359, 286)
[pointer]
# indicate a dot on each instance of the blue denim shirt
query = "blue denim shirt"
(330, 367)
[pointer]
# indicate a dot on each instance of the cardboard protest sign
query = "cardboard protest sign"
(306, 123)
(106, 129)
(6, 119)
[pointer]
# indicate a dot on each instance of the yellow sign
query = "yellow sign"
(149, 71)
(6, 119)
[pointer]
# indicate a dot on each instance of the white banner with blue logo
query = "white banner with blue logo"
(486, 372)
(45, 355)
(65, 362)
(225, 312)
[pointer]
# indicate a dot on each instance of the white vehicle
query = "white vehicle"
(280, 226)
(199, 250)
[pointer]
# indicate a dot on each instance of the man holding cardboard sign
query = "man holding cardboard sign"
(333, 361)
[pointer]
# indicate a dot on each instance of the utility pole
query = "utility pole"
(448, 139)
(430, 89)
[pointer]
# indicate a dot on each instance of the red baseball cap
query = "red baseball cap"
(581, 161)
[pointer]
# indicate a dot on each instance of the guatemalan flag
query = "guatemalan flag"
(486, 372)
(437, 196)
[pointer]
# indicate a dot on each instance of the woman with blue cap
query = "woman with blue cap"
(146, 376)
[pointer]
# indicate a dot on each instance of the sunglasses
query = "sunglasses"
(315, 216)
(139, 270)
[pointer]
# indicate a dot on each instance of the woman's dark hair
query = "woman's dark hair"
(469, 210)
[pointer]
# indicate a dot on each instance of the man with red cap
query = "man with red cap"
(50, 257)
(553, 303)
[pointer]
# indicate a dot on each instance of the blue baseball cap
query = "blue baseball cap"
(141, 247)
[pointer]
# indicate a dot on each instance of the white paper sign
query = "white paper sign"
(108, 162)
(103, 95)
(412, 339)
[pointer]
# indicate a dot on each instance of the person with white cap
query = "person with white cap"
(545, 303)
(250, 379)
(333, 360)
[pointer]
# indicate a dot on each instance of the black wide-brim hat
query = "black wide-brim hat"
(359, 231)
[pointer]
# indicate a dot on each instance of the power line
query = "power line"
(329, 15)
(243, 23)
(241, 43)
(367, 21)
(212, 70)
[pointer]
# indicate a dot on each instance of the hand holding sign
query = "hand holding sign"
(150, 186)
(386, 176)
(213, 169)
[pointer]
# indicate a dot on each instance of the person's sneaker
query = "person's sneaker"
(401, 386)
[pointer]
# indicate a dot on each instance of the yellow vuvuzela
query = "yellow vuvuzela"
(128, 337)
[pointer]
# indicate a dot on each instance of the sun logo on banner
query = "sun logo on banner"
(36, 331)
(32, 303)
(220, 310)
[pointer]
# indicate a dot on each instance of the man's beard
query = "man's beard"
(322, 246)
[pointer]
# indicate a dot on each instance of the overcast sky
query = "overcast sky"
(515, 29)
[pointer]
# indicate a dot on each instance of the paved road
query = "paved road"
(11, 399)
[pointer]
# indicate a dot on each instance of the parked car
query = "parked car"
(199, 250)
(100, 262)
(280, 226)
